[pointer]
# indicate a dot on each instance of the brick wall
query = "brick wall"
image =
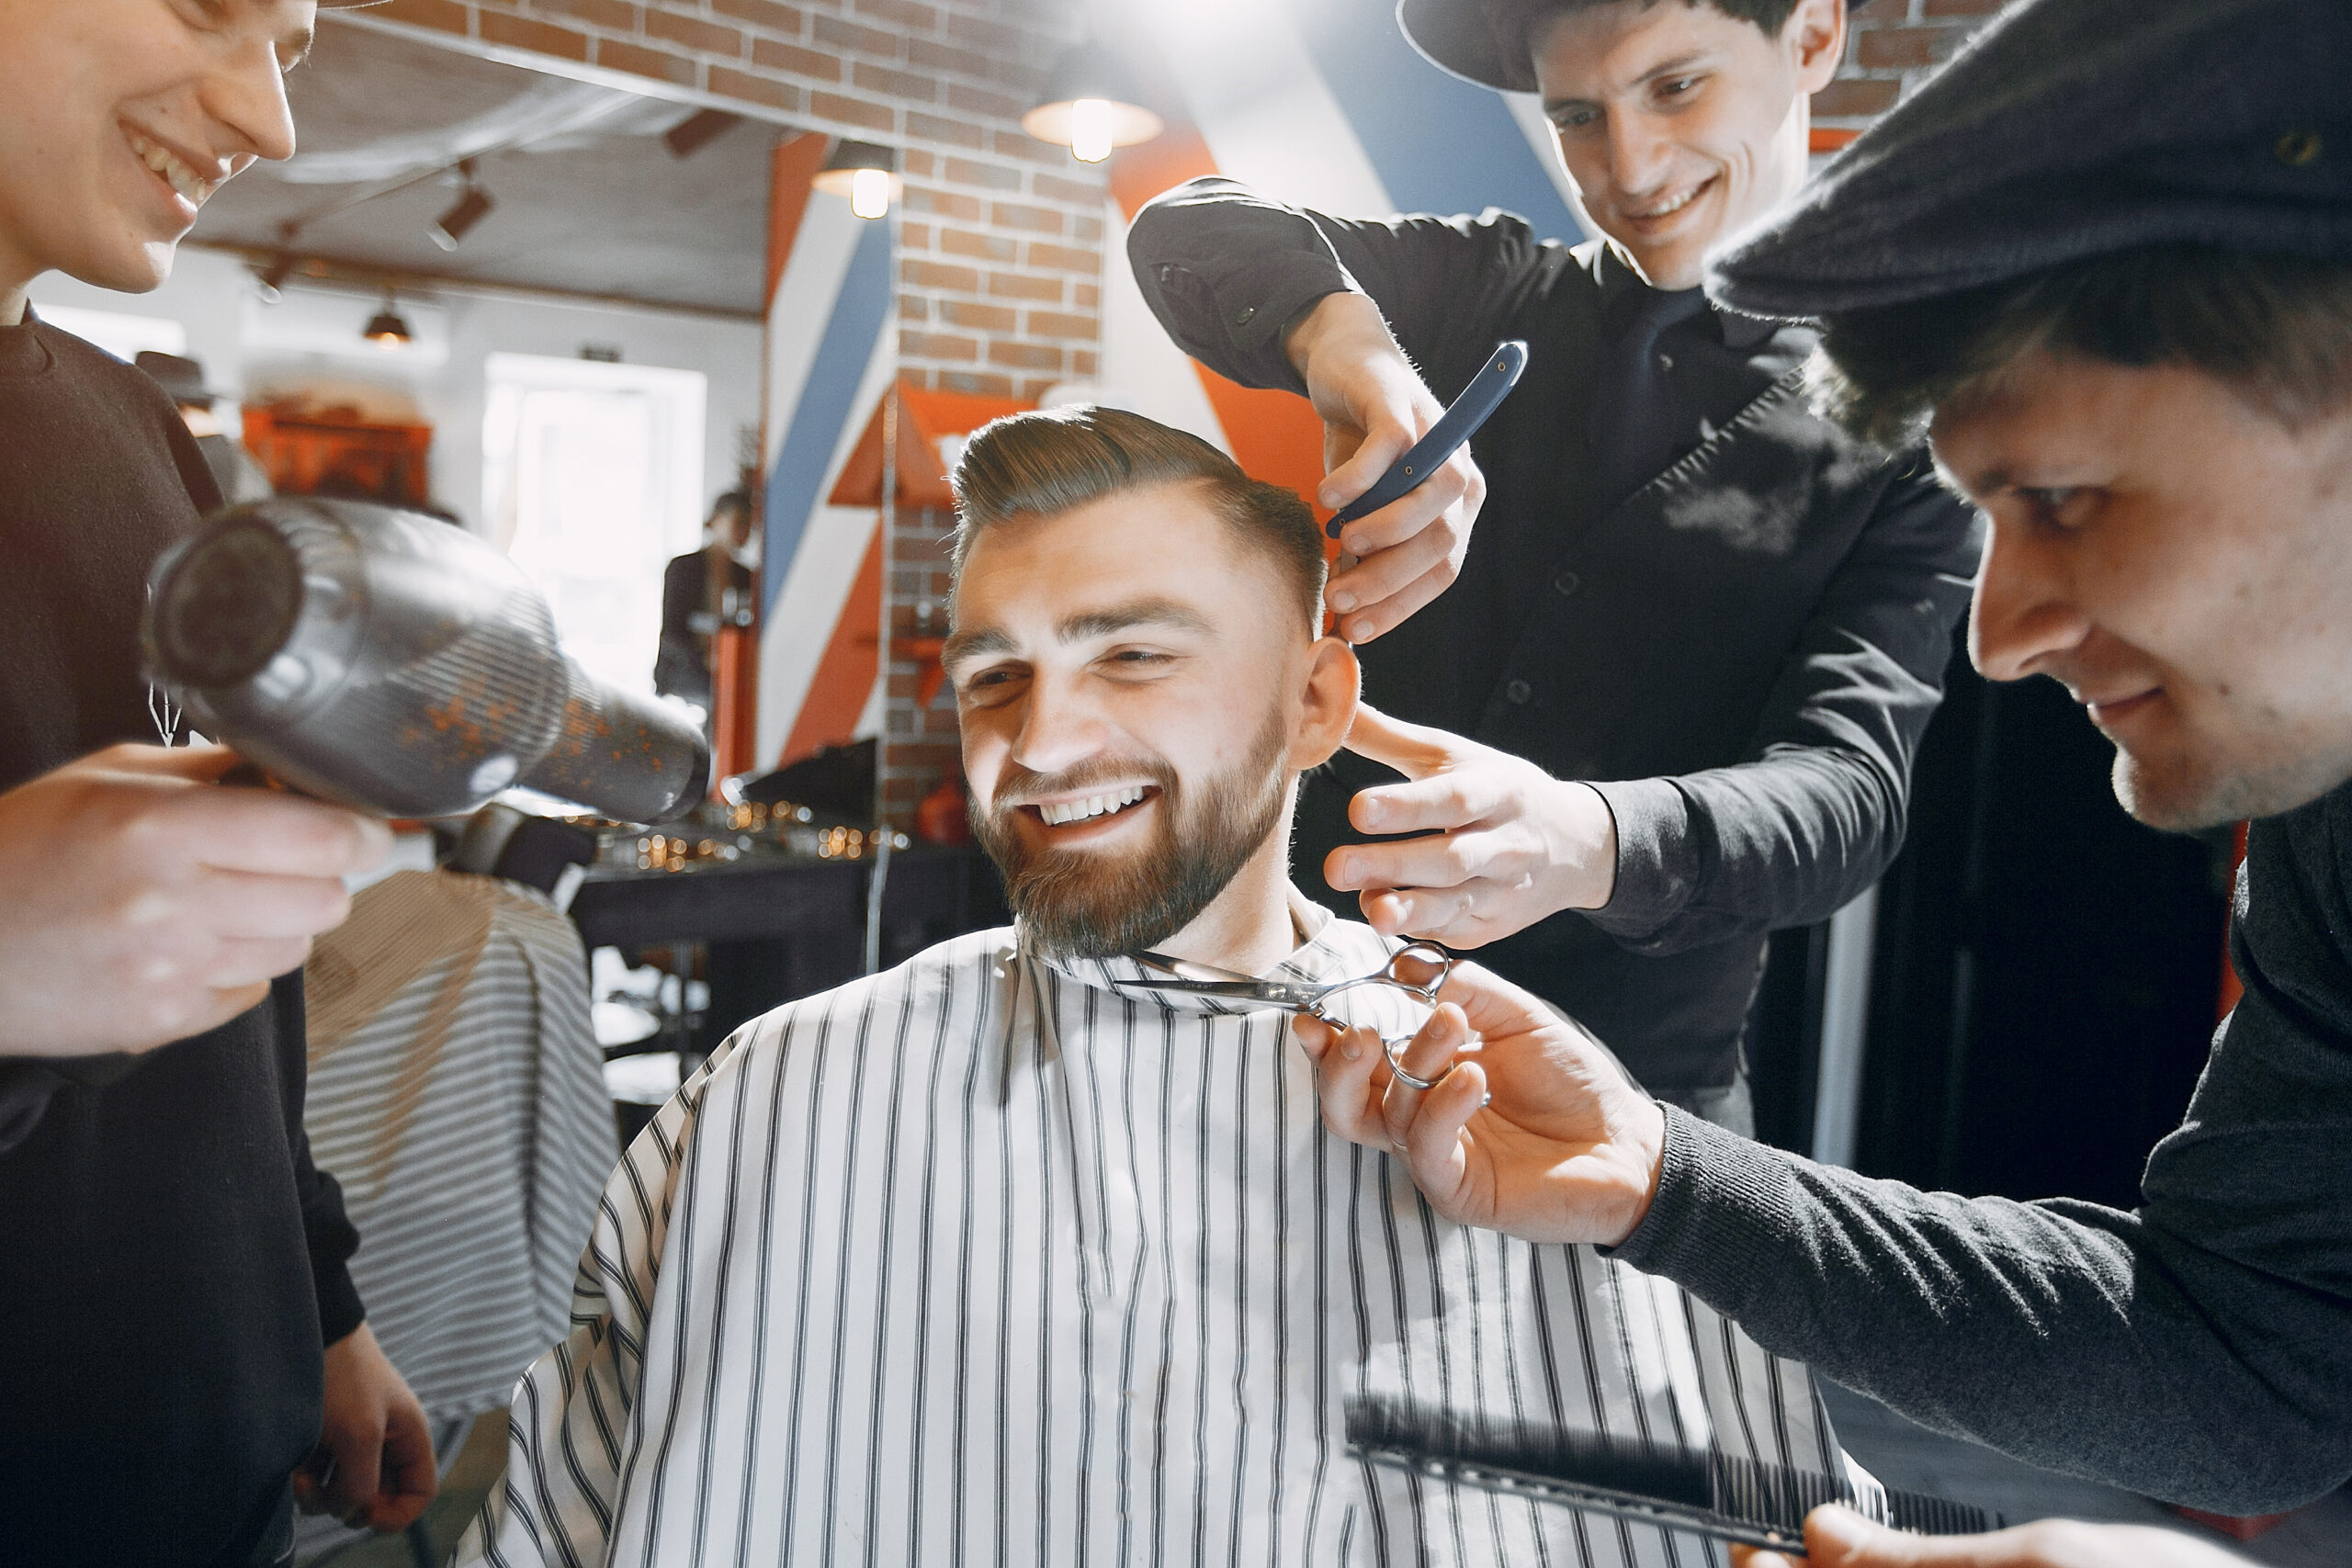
(1891, 47)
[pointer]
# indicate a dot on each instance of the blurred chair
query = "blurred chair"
(456, 1092)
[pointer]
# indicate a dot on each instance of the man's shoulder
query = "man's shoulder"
(962, 966)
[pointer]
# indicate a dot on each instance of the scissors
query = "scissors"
(1418, 968)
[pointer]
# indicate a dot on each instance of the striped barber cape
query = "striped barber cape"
(981, 1261)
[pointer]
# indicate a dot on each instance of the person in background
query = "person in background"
(702, 591)
(1671, 703)
(240, 479)
(178, 1331)
(2105, 259)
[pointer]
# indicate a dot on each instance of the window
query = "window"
(592, 481)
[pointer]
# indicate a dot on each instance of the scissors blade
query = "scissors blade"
(1272, 992)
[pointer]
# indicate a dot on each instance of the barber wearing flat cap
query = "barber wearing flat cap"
(1671, 701)
(2105, 260)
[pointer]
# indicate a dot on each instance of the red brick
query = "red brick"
(945, 204)
(729, 83)
(935, 274)
(850, 37)
(905, 85)
(935, 128)
(986, 247)
(1060, 323)
(977, 318)
(995, 38)
(641, 61)
(539, 38)
(1020, 75)
(983, 103)
(938, 346)
(1030, 219)
(1029, 150)
(850, 111)
(1853, 95)
(1082, 362)
(1077, 193)
(1085, 228)
(914, 236)
(947, 58)
(1024, 355)
(769, 14)
(1034, 388)
(920, 164)
(989, 176)
(612, 16)
(1062, 258)
(1085, 296)
(773, 55)
(906, 13)
(1021, 285)
(980, 382)
(913, 307)
(441, 15)
(693, 32)
(1888, 48)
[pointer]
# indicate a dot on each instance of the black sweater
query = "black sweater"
(171, 1262)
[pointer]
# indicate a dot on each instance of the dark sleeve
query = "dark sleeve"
(2197, 1349)
(1816, 817)
(326, 1231)
(1227, 271)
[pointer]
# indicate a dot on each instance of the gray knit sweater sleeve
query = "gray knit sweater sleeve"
(2197, 1349)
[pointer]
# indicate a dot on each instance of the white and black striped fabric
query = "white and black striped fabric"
(981, 1261)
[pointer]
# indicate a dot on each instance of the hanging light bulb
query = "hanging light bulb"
(869, 193)
(863, 173)
(386, 329)
(1090, 130)
(1090, 105)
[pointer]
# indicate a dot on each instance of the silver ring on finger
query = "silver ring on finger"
(1395, 1050)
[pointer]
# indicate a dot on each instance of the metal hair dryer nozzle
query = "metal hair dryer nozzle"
(396, 663)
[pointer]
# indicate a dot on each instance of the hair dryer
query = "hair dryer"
(393, 662)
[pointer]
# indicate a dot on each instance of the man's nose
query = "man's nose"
(246, 92)
(1637, 154)
(1059, 728)
(2024, 608)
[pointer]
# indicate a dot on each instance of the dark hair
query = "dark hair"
(1516, 20)
(2276, 330)
(733, 501)
(1056, 460)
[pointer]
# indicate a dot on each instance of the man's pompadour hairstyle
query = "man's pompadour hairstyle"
(1057, 460)
(2276, 330)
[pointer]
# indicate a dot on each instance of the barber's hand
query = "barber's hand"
(374, 1469)
(146, 904)
(1565, 1150)
(1840, 1538)
(1373, 406)
(1504, 844)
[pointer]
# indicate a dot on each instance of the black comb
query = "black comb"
(1701, 1490)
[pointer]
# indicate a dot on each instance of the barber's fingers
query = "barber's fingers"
(241, 906)
(1376, 620)
(1456, 917)
(1379, 425)
(1349, 1071)
(1428, 1055)
(270, 832)
(1413, 515)
(410, 1477)
(1416, 751)
(196, 763)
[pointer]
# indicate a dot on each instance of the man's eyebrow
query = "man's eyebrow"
(1675, 67)
(295, 48)
(1135, 613)
(963, 645)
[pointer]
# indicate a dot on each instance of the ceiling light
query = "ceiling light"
(863, 173)
(1090, 105)
(472, 208)
(386, 329)
(690, 135)
(272, 277)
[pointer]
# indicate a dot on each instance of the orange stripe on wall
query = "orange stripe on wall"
(791, 166)
(843, 681)
(1274, 436)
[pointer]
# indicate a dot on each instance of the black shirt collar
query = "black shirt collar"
(1616, 276)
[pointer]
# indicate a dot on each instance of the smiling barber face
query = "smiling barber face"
(1137, 690)
(2183, 563)
(1679, 124)
(123, 116)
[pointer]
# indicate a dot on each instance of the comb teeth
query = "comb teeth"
(1666, 1483)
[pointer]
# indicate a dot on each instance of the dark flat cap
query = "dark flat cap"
(1483, 40)
(2074, 128)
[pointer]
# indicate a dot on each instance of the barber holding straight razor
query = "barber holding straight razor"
(2105, 259)
(1670, 702)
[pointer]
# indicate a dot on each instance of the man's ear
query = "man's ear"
(1816, 37)
(1327, 704)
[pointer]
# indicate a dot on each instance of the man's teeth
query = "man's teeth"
(1666, 208)
(1092, 806)
(191, 186)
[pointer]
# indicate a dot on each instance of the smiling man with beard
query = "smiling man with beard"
(987, 1259)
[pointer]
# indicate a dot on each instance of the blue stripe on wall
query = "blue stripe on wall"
(796, 484)
(1439, 143)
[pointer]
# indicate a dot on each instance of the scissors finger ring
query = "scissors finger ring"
(1395, 1050)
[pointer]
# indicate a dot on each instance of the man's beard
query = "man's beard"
(1098, 904)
